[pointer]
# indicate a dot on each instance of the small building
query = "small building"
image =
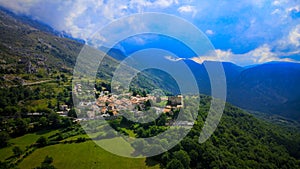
(62, 113)
(175, 100)
(91, 114)
(105, 115)
(35, 114)
(111, 107)
(167, 110)
(103, 110)
(115, 113)
(63, 107)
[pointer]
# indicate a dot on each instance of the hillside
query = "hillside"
(240, 141)
(271, 88)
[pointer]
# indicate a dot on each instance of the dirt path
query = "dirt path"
(39, 82)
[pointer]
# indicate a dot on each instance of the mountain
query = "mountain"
(32, 51)
(271, 88)
(115, 53)
(39, 25)
(35, 42)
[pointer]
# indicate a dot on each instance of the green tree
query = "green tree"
(43, 122)
(10, 110)
(72, 113)
(162, 120)
(42, 141)
(4, 165)
(4, 137)
(48, 160)
(21, 126)
(183, 157)
(17, 151)
(194, 157)
(165, 158)
(54, 120)
(47, 163)
(66, 122)
(174, 164)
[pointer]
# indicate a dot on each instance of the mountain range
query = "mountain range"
(271, 88)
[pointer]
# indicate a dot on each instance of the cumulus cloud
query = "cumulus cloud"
(187, 9)
(293, 8)
(82, 18)
(217, 55)
(290, 42)
(294, 36)
(259, 55)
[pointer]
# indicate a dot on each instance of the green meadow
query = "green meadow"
(73, 155)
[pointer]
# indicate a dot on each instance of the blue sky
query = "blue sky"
(245, 32)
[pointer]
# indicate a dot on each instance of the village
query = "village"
(110, 106)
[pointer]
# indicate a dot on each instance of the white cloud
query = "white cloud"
(77, 9)
(290, 41)
(279, 2)
(174, 59)
(258, 3)
(294, 36)
(141, 5)
(262, 54)
(217, 55)
(259, 55)
(276, 11)
(209, 32)
(139, 40)
(165, 3)
(19, 6)
(293, 8)
(188, 9)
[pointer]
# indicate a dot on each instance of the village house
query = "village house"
(63, 107)
(175, 100)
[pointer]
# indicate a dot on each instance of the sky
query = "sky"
(243, 32)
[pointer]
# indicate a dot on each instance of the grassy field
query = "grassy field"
(22, 142)
(75, 155)
(82, 156)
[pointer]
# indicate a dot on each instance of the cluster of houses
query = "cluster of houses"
(110, 106)
(116, 103)
(78, 89)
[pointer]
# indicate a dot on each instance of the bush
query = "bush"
(42, 141)
(17, 151)
(80, 139)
